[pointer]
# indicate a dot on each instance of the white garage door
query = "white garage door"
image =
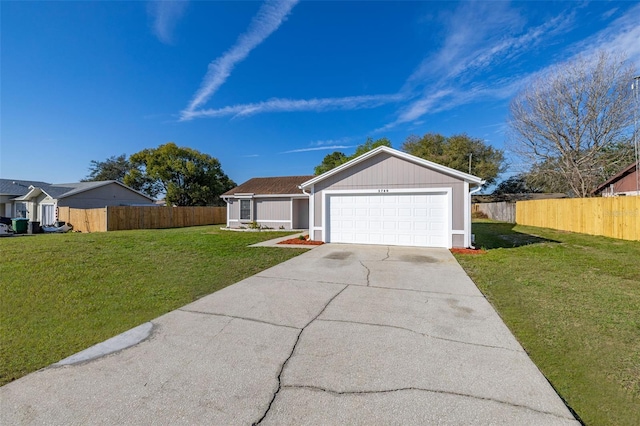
(389, 219)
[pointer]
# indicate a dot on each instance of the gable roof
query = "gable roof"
(626, 171)
(280, 185)
(474, 180)
(63, 190)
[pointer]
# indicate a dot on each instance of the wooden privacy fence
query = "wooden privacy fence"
(120, 218)
(616, 217)
(502, 211)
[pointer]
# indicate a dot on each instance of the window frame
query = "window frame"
(249, 209)
(21, 209)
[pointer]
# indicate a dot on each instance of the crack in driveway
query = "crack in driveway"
(368, 271)
(420, 333)
(237, 317)
(293, 349)
(438, 391)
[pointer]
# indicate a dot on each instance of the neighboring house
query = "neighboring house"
(38, 201)
(274, 202)
(10, 189)
(624, 183)
(383, 197)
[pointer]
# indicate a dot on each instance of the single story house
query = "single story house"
(383, 197)
(38, 201)
(624, 183)
(274, 202)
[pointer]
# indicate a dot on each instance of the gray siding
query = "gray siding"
(107, 195)
(271, 212)
(272, 209)
(385, 171)
(233, 209)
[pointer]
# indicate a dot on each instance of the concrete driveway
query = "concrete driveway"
(342, 334)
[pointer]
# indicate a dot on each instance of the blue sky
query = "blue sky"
(270, 88)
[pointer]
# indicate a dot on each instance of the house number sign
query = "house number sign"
(383, 190)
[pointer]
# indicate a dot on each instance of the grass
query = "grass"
(62, 293)
(573, 302)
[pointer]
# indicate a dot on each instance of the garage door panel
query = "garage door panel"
(375, 238)
(394, 219)
(434, 226)
(389, 226)
(390, 239)
(420, 226)
(405, 226)
(437, 213)
(362, 225)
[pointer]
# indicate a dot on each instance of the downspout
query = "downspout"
(470, 204)
(226, 200)
(309, 215)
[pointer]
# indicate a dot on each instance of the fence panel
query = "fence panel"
(84, 220)
(503, 211)
(125, 217)
(616, 217)
(120, 218)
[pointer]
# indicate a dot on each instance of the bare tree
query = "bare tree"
(574, 125)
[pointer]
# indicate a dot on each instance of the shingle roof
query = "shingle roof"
(18, 187)
(270, 185)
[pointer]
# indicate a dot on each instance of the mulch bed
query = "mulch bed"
(301, 242)
(467, 251)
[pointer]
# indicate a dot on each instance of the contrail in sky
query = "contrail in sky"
(268, 19)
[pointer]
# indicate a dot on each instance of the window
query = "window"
(21, 210)
(245, 209)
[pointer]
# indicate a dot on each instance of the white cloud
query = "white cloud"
(472, 49)
(165, 14)
(291, 105)
(268, 19)
(340, 141)
(318, 148)
(622, 35)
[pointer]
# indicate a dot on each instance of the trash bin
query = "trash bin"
(34, 228)
(20, 225)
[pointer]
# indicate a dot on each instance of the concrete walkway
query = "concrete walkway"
(342, 334)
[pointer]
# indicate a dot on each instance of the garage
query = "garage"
(406, 219)
(389, 197)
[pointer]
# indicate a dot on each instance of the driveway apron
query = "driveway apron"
(343, 334)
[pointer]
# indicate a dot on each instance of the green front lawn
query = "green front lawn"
(573, 302)
(62, 293)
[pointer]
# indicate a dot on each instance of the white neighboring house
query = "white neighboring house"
(39, 201)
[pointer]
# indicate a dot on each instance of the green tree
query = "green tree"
(457, 152)
(187, 177)
(113, 168)
(337, 158)
(517, 184)
(330, 161)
